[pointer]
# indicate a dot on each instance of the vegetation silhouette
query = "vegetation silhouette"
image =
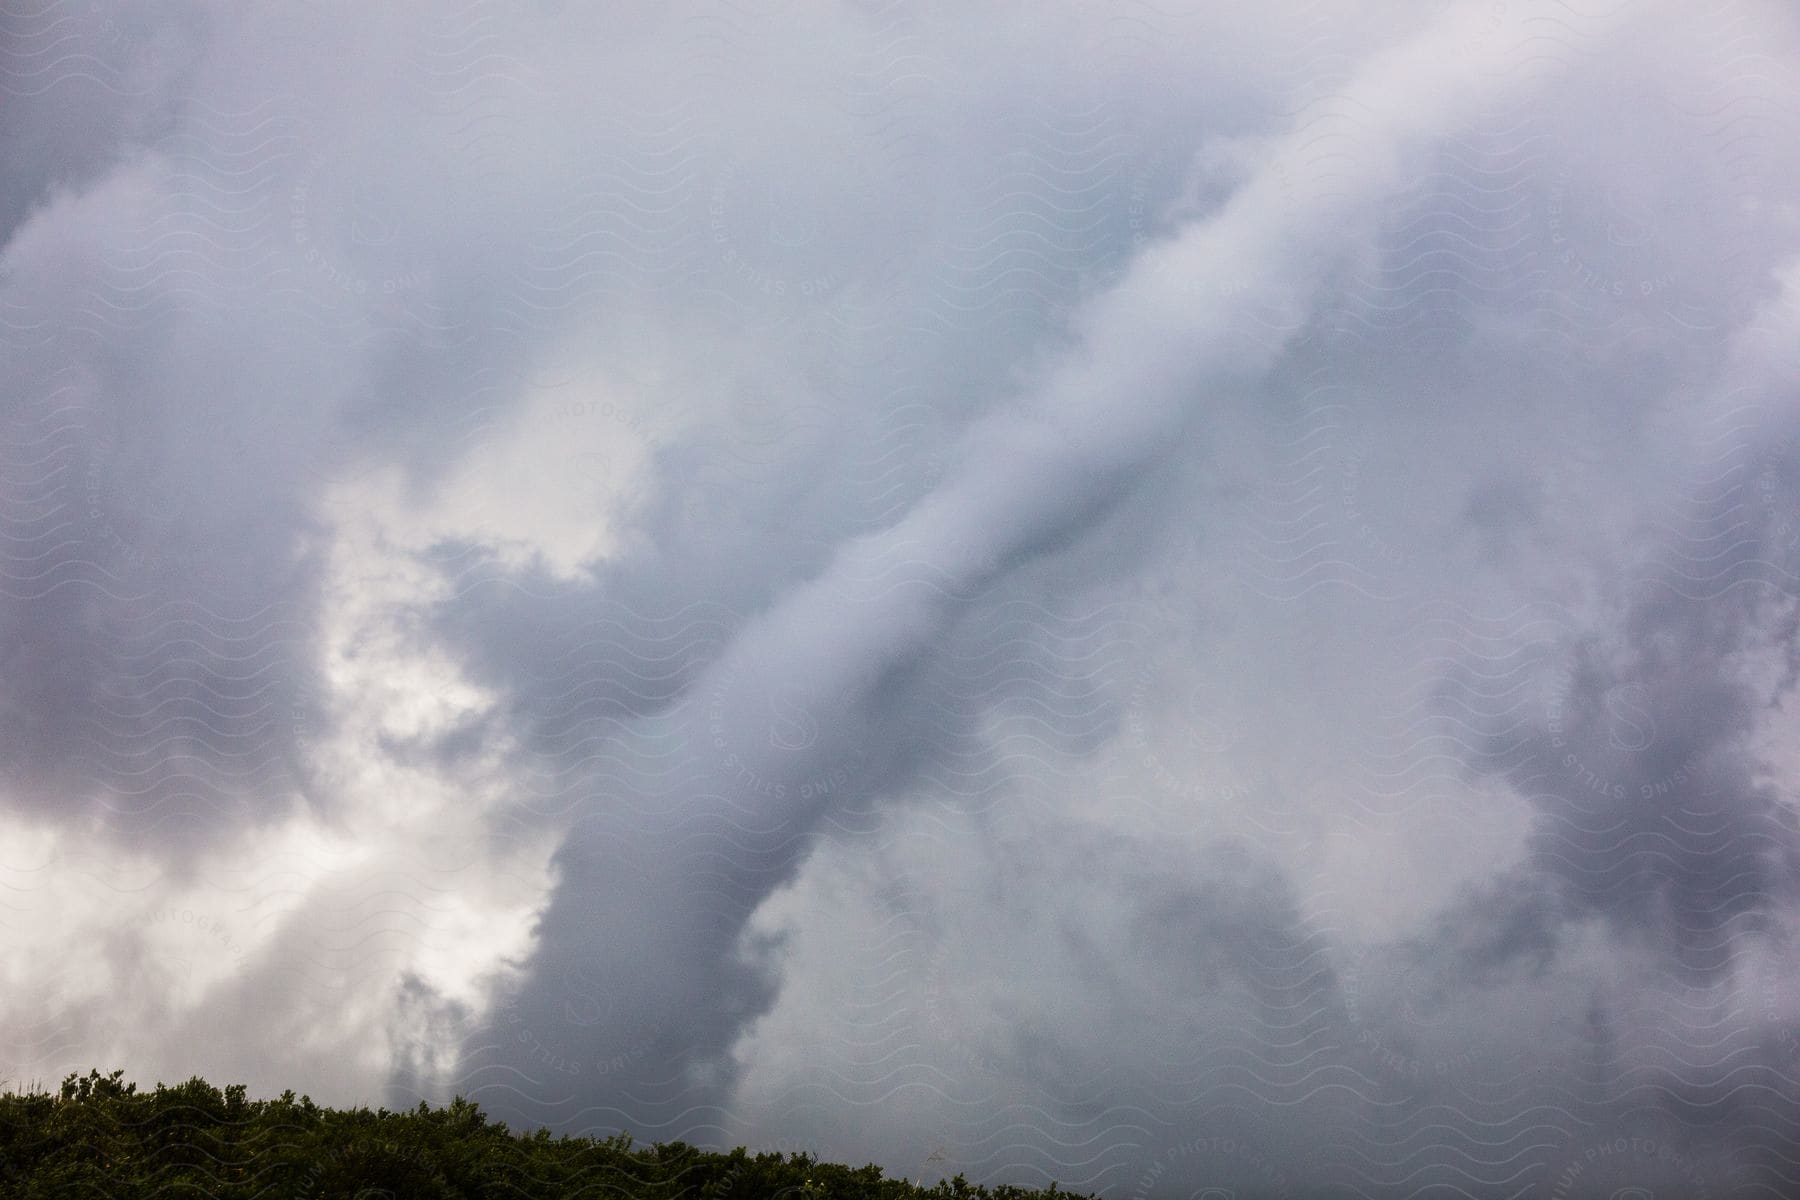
(100, 1136)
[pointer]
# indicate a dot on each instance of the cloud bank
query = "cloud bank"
(1157, 598)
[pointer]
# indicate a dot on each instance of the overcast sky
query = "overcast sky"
(1163, 596)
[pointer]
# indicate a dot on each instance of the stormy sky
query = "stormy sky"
(1193, 599)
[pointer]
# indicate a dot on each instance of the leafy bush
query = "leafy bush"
(100, 1137)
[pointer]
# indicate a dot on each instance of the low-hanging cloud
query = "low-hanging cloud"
(1024, 480)
(1160, 598)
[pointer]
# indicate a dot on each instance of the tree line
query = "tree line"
(100, 1136)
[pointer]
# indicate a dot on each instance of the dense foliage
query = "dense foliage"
(101, 1137)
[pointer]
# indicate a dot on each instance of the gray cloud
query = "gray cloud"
(1152, 597)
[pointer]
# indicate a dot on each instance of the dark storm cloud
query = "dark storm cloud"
(1159, 598)
(1636, 739)
(1652, 811)
(81, 86)
(158, 584)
